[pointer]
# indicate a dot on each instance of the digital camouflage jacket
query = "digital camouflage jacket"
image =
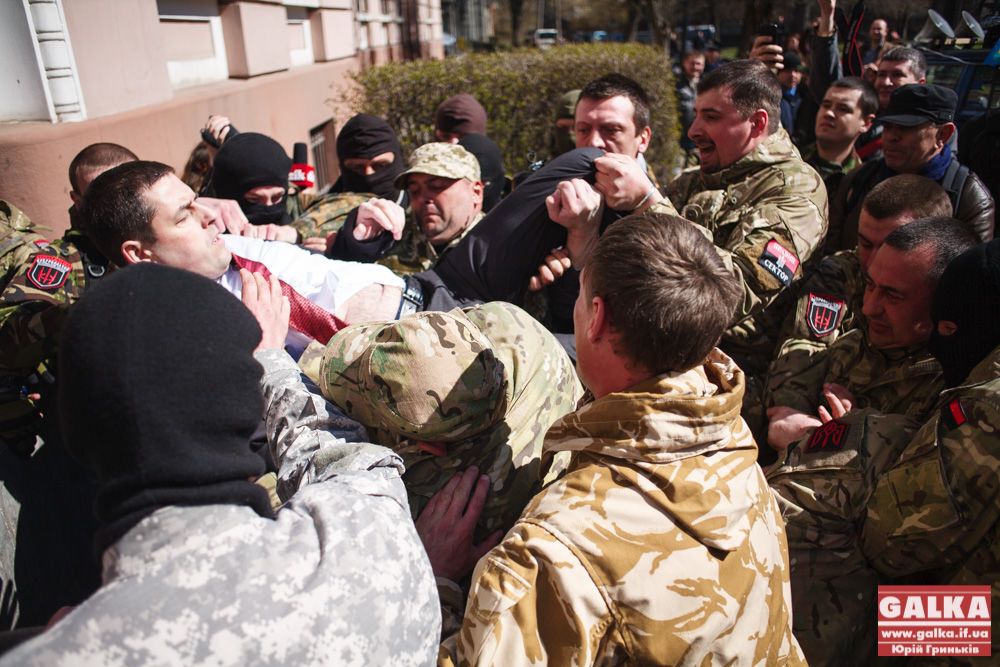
(660, 545)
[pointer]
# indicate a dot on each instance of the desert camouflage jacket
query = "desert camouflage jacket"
(822, 486)
(661, 545)
(904, 381)
(339, 576)
(414, 253)
(937, 508)
(766, 213)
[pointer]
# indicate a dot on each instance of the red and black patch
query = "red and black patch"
(779, 261)
(953, 415)
(48, 273)
(828, 437)
(824, 314)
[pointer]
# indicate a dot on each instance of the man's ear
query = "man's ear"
(945, 132)
(644, 138)
(867, 122)
(758, 123)
(598, 326)
(76, 197)
(477, 192)
(134, 252)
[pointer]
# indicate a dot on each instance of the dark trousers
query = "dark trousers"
(495, 261)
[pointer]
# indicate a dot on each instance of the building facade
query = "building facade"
(147, 74)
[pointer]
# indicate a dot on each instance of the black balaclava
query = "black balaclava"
(365, 136)
(490, 167)
(159, 393)
(968, 295)
(247, 161)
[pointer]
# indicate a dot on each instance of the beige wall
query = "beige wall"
(34, 157)
(119, 54)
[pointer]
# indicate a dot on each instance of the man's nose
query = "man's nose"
(369, 170)
(593, 140)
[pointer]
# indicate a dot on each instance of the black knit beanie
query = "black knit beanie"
(159, 393)
(365, 137)
(247, 161)
(461, 114)
(968, 294)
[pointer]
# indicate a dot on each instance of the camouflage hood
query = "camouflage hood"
(684, 431)
(774, 150)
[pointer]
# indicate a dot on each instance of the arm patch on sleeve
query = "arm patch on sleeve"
(779, 261)
(824, 314)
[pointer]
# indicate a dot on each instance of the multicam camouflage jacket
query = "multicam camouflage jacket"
(661, 545)
(324, 215)
(338, 576)
(414, 253)
(766, 214)
(902, 381)
(19, 240)
(33, 307)
(536, 385)
(822, 487)
(937, 509)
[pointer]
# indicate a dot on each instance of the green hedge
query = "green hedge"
(520, 90)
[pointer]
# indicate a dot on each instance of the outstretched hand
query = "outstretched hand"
(379, 215)
(447, 524)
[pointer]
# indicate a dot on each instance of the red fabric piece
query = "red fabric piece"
(306, 317)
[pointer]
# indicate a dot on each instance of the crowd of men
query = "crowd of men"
(586, 420)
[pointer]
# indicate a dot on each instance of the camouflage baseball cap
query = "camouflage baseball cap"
(442, 159)
(431, 376)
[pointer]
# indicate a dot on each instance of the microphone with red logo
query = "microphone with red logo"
(302, 175)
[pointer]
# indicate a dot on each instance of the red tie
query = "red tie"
(306, 317)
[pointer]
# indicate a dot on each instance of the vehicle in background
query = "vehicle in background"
(545, 38)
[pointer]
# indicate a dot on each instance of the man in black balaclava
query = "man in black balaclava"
(935, 514)
(165, 375)
(966, 312)
(370, 158)
(253, 169)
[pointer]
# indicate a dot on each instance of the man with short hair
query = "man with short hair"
(846, 112)
(692, 67)
(762, 206)
(886, 364)
(830, 300)
(918, 126)
(445, 190)
(878, 32)
(660, 544)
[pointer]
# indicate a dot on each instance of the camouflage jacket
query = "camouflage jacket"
(32, 310)
(822, 487)
(905, 381)
(766, 214)
(539, 386)
(324, 215)
(19, 240)
(937, 509)
(338, 576)
(414, 253)
(661, 545)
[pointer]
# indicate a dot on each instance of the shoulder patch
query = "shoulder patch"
(828, 437)
(953, 415)
(779, 261)
(48, 272)
(824, 314)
